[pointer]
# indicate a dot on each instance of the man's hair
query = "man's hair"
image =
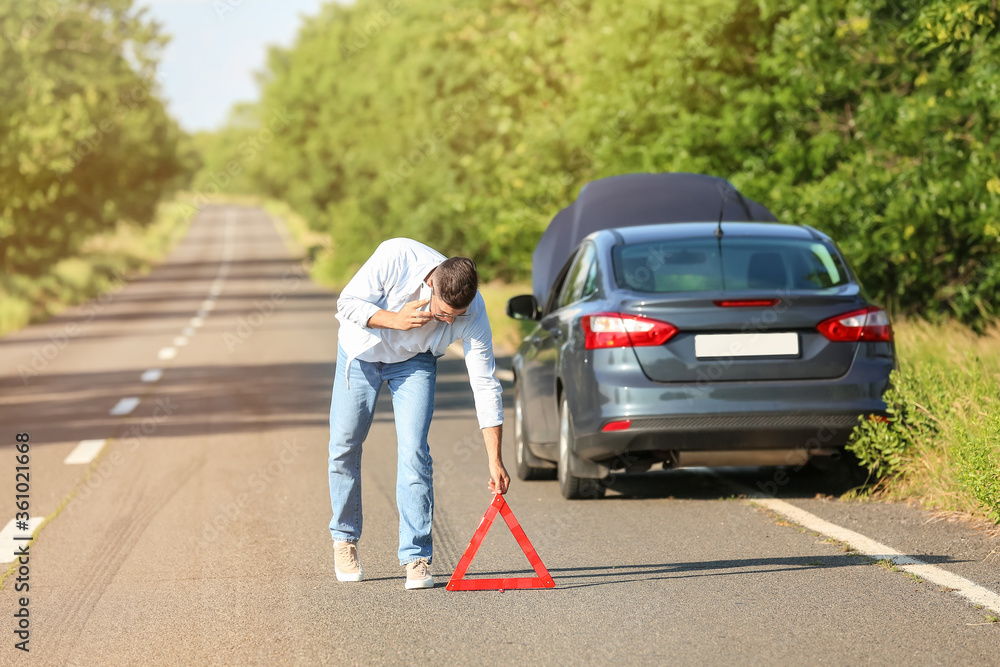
(456, 281)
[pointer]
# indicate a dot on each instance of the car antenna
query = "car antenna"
(724, 192)
(722, 211)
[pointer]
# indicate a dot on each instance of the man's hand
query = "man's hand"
(409, 317)
(499, 479)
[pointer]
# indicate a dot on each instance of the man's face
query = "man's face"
(442, 312)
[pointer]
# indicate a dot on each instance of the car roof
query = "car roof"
(688, 230)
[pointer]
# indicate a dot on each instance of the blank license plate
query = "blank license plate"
(708, 346)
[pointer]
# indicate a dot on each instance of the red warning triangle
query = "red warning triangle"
(543, 580)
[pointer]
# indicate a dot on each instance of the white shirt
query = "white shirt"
(392, 277)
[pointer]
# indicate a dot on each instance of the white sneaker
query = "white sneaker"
(418, 575)
(346, 563)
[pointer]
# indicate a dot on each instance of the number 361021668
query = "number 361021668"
(22, 476)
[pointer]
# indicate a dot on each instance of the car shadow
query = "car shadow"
(714, 483)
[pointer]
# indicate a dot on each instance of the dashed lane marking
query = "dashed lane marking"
(8, 545)
(167, 353)
(180, 341)
(152, 375)
(85, 451)
(125, 406)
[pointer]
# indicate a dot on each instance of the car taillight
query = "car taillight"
(604, 330)
(866, 325)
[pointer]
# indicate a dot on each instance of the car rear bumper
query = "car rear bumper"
(810, 432)
(721, 416)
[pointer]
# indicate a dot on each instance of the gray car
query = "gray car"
(695, 344)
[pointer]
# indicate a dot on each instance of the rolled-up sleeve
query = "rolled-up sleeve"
(365, 294)
(477, 341)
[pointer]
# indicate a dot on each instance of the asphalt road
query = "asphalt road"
(199, 533)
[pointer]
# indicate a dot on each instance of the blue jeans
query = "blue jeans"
(411, 384)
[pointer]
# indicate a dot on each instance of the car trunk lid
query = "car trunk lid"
(744, 337)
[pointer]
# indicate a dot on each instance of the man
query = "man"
(397, 315)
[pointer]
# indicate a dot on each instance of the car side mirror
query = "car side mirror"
(523, 307)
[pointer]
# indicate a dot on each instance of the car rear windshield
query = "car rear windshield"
(734, 264)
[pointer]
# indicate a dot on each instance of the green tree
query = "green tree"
(469, 125)
(84, 139)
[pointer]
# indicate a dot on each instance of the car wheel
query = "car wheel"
(525, 469)
(572, 487)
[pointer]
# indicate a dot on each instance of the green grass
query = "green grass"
(104, 262)
(941, 446)
(887, 564)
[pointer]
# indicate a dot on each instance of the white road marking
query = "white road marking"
(180, 341)
(197, 322)
(869, 547)
(202, 314)
(125, 406)
(8, 545)
(152, 375)
(167, 353)
(85, 451)
(188, 331)
(504, 375)
(208, 304)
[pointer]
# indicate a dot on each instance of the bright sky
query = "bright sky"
(216, 47)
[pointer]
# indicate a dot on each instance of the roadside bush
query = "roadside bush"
(100, 265)
(881, 446)
(941, 443)
(979, 467)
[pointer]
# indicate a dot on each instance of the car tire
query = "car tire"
(572, 488)
(525, 458)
